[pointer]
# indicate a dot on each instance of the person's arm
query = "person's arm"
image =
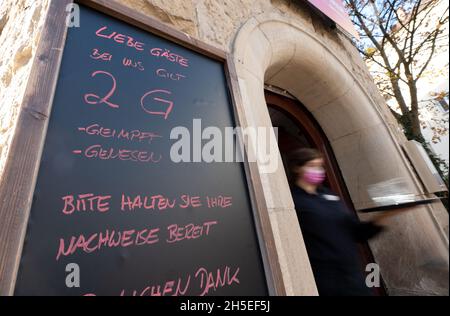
(363, 231)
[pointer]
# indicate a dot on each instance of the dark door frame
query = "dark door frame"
(315, 135)
(312, 130)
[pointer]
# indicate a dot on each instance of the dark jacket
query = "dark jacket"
(331, 234)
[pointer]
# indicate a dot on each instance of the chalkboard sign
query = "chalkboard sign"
(110, 205)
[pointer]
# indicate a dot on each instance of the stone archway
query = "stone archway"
(320, 72)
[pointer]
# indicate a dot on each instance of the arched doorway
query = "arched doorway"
(297, 128)
(324, 71)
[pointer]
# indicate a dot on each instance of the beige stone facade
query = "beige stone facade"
(282, 43)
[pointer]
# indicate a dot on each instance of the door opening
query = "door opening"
(297, 128)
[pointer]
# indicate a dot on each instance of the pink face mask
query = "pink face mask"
(314, 176)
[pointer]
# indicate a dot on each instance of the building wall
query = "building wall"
(223, 23)
(214, 21)
(20, 23)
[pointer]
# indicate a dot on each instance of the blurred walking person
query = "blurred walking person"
(330, 232)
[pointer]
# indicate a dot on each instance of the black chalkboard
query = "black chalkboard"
(109, 198)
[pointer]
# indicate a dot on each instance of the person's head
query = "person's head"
(307, 166)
